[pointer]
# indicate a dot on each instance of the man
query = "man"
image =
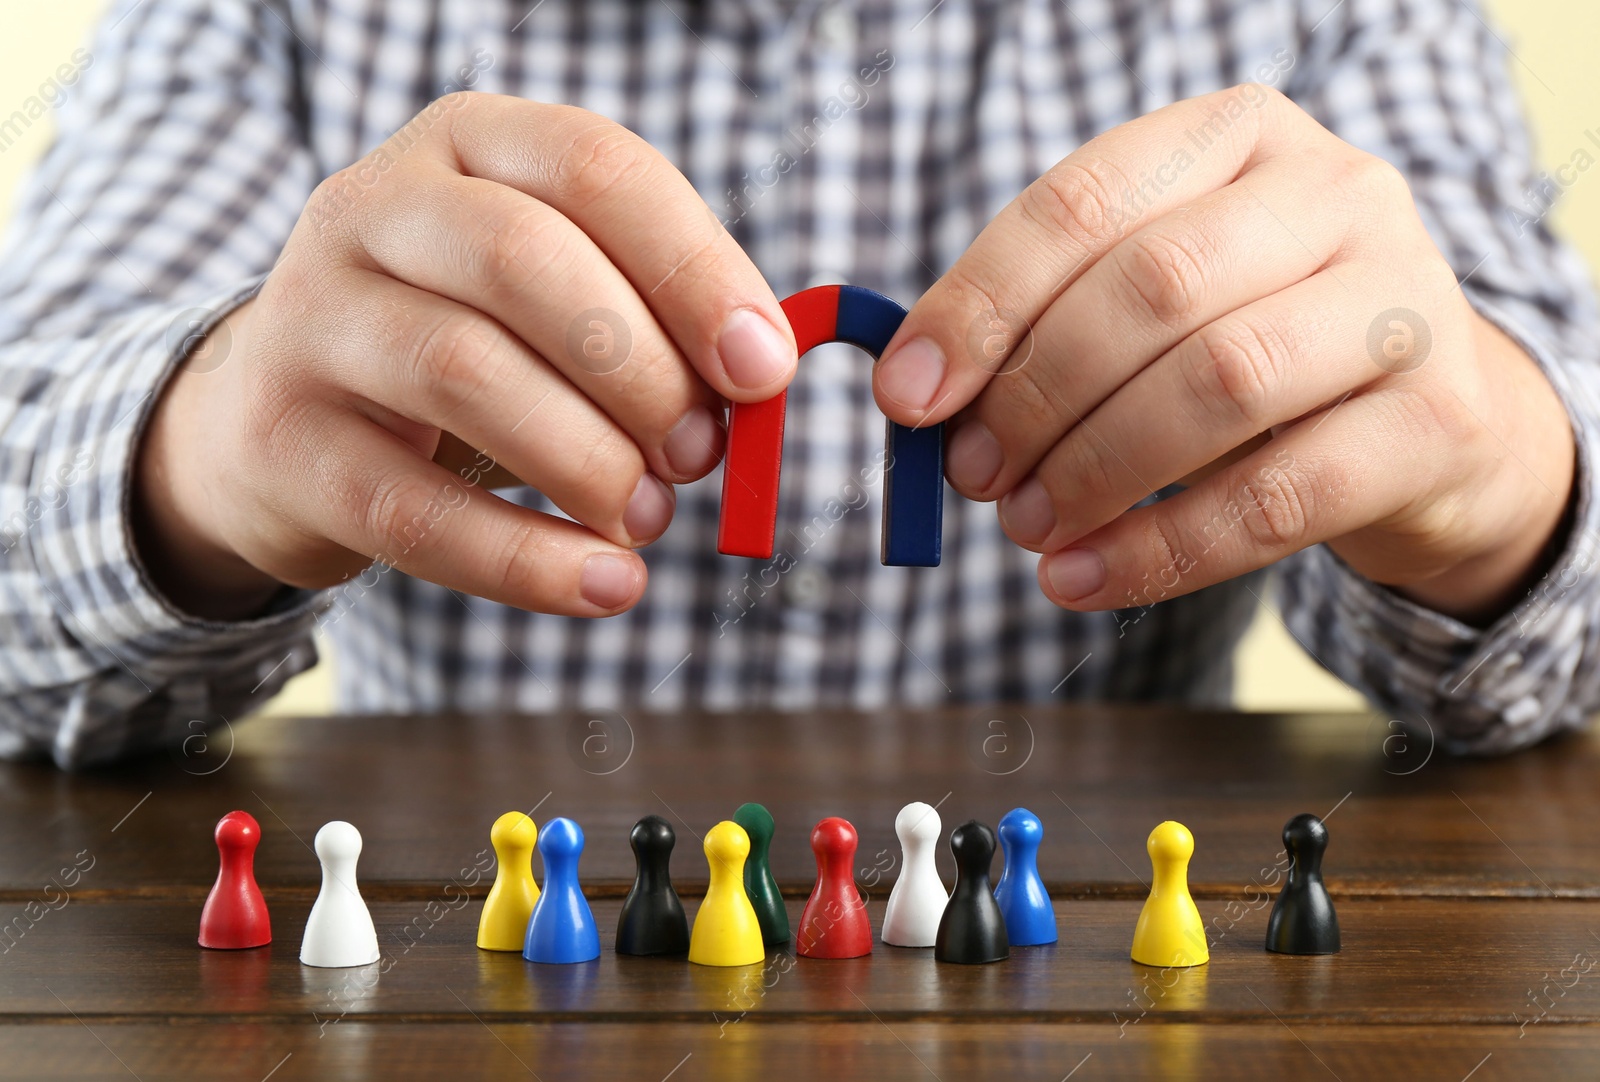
(1199, 289)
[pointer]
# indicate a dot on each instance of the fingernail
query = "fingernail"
(694, 444)
(608, 581)
(753, 353)
(911, 375)
(1075, 573)
(649, 509)
(974, 458)
(1027, 513)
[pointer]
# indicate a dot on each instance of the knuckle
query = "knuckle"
(1163, 557)
(1096, 475)
(1029, 398)
(1421, 416)
(462, 99)
(1435, 277)
(1073, 199)
(1024, 410)
(1167, 276)
(1278, 510)
(279, 420)
(974, 286)
(1238, 371)
(610, 468)
(1275, 99)
(516, 247)
(1367, 178)
(599, 156)
(452, 359)
(1384, 179)
(523, 562)
(698, 264)
(332, 200)
(390, 511)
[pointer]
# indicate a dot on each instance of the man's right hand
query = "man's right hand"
(440, 292)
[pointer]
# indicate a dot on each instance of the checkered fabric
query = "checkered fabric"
(192, 131)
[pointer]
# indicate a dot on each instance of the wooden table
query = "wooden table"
(1468, 893)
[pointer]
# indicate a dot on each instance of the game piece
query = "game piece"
(1303, 920)
(339, 932)
(235, 914)
(726, 930)
(652, 920)
(972, 931)
(1023, 901)
(913, 477)
(834, 922)
(1169, 933)
(916, 904)
(504, 921)
(762, 889)
(562, 928)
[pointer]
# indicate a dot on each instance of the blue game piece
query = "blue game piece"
(562, 927)
(1030, 918)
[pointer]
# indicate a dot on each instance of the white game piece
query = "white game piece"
(918, 899)
(339, 932)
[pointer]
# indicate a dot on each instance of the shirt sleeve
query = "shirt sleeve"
(1425, 84)
(178, 170)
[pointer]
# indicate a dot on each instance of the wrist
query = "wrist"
(1527, 501)
(173, 517)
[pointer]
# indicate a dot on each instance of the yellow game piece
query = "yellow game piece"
(726, 930)
(1169, 932)
(504, 924)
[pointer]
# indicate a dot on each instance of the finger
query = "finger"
(1147, 294)
(525, 264)
(1263, 365)
(448, 366)
(1060, 225)
(389, 503)
(1326, 477)
(648, 219)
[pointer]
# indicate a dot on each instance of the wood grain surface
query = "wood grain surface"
(1467, 893)
(1416, 961)
(423, 791)
(801, 1052)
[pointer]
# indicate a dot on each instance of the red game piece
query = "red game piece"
(235, 916)
(834, 922)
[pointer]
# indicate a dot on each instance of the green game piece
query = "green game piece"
(758, 881)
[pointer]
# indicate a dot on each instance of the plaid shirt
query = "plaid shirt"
(192, 131)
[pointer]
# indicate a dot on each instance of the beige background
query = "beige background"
(1553, 41)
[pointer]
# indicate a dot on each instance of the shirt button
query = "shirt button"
(806, 586)
(835, 26)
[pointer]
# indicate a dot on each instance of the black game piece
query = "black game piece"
(972, 930)
(1303, 921)
(652, 920)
